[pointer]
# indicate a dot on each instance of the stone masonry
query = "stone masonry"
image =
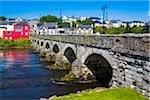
(128, 55)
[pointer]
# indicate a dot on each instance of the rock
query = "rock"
(43, 99)
(62, 61)
(50, 56)
(52, 97)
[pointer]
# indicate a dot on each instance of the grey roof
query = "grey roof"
(6, 23)
(39, 24)
(98, 22)
(97, 18)
(137, 21)
(50, 24)
(22, 24)
(85, 26)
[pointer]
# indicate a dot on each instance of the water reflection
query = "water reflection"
(24, 77)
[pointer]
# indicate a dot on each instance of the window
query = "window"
(26, 27)
(18, 29)
(8, 32)
(26, 33)
(10, 37)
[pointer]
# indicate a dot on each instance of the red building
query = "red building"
(21, 30)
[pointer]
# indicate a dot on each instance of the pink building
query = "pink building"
(21, 30)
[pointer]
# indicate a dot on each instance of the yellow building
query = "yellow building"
(85, 29)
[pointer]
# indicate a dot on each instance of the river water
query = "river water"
(24, 77)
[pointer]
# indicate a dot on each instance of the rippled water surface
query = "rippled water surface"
(24, 77)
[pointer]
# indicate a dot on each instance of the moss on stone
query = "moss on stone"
(68, 77)
(55, 67)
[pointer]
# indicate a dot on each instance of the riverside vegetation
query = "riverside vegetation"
(103, 94)
(17, 44)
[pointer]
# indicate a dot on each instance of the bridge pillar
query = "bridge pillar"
(81, 71)
(50, 55)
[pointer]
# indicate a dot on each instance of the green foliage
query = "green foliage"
(137, 30)
(108, 94)
(50, 18)
(2, 18)
(85, 22)
(20, 43)
(99, 29)
(115, 31)
(68, 77)
(120, 30)
(65, 24)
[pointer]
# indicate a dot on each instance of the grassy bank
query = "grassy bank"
(108, 94)
(20, 43)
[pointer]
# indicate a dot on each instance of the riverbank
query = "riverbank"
(15, 44)
(103, 94)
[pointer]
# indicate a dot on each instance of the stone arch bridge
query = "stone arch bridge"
(117, 60)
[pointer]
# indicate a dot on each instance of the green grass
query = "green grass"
(108, 94)
(20, 43)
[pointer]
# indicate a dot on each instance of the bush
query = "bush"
(137, 30)
(22, 43)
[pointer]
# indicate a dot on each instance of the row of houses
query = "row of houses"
(18, 28)
(52, 28)
(97, 21)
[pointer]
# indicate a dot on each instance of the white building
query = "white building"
(33, 24)
(136, 23)
(69, 19)
(6, 26)
(98, 24)
(82, 18)
(116, 23)
(48, 28)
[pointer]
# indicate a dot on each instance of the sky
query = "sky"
(124, 10)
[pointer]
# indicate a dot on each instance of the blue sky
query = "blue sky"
(124, 10)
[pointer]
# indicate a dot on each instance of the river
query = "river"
(24, 77)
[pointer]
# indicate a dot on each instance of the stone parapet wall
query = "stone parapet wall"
(126, 43)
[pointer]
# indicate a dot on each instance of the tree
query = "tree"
(2, 18)
(50, 18)
(85, 22)
(65, 24)
(98, 29)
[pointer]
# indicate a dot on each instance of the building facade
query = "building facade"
(21, 30)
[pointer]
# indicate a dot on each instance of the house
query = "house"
(116, 23)
(4, 26)
(82, 18)
(21, 30)
(48, 28)
(84, 29)
(97, 23)
(69, 19)
(33, 25)
(136, 23)
(95, 19)
(65, 30)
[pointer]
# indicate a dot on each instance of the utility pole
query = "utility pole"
(103, 8)
(60, 13)
(106, 16)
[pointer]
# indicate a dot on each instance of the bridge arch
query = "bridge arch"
(47, 45)
(42, 43)
(70, 54)
(100, 68)
(38, 42)
(55, 48)
(100, 63)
